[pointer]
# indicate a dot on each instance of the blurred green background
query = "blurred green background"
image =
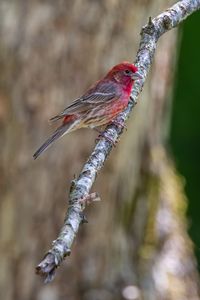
(185, 127)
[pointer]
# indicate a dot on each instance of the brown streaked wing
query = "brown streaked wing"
(97, 95)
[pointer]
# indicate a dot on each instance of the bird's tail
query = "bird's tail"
(60, 131)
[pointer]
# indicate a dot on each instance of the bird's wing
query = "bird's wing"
(101, 92)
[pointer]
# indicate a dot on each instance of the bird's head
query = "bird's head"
(124, 73)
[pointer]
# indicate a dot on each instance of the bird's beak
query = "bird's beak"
(136, 76)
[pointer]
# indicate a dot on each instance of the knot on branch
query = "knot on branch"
(167, 22)
(72, 186)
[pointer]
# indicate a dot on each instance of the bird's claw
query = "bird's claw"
(109, 139)
(119, 124)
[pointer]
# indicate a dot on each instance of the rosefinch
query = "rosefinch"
(99, 105)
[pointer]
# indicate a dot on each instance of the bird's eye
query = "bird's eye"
(127, 72)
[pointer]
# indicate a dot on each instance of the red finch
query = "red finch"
(99, 105)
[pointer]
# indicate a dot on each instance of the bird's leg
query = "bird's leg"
(118, 123)
(102, 134)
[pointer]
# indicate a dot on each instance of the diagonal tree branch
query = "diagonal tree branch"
(79, 194)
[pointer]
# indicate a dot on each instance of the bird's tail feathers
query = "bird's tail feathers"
(60, 131)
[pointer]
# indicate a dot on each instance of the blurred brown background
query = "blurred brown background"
(50, 52)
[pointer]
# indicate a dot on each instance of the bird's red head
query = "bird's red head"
(124, 73)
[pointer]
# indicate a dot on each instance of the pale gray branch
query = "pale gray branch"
(79, 194)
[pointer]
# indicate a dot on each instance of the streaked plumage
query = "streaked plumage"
(99, 105)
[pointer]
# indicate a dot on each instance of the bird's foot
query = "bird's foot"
(103, 134)
(119, 124)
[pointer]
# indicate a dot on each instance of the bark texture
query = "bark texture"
(49, 53)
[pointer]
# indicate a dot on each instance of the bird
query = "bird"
(99, 105)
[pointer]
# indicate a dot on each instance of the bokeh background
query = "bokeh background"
(185, 123)
(136, 245)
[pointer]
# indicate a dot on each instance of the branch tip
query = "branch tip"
(47, 267)
(150, 23)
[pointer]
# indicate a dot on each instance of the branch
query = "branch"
(79, 194)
